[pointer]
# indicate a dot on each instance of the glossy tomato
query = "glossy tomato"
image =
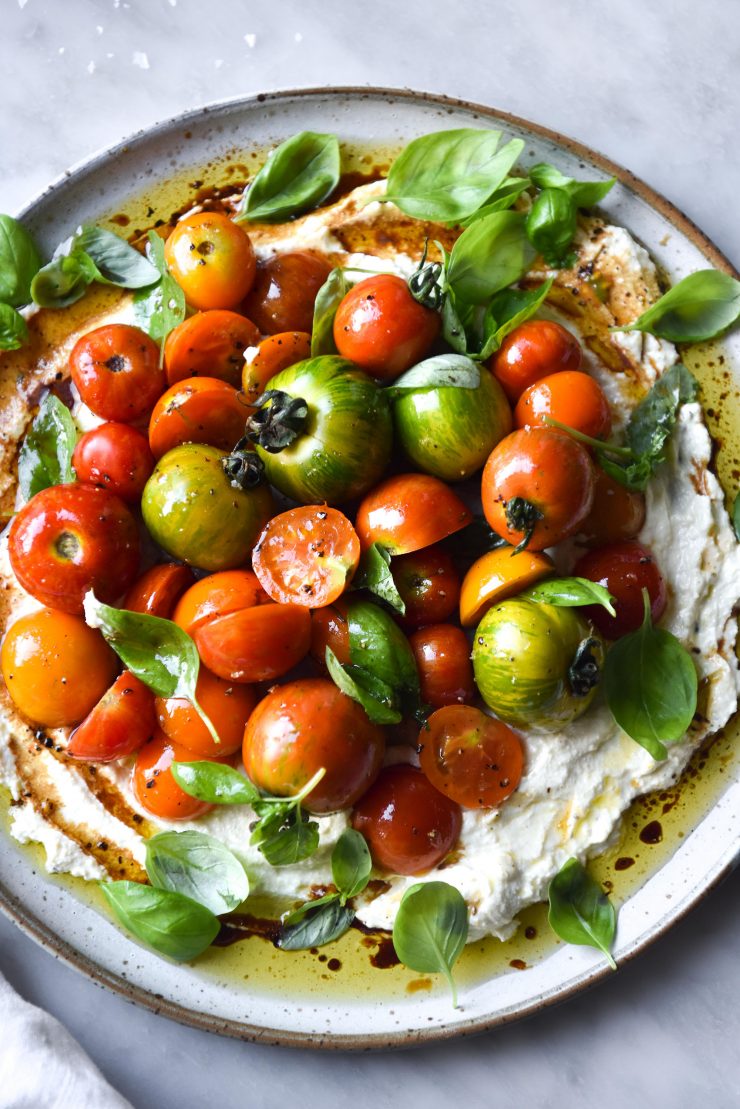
(330, 628)
(155, 788)
(573, 398)
(255, 644)
(499, 574)
(117, 373)
(212, 260)
(470, 757)
(429, 585)
(442, 654)
(284, 292)
(115, 457)
(532, 351)
(200, 410)
(226, 704)
(408, 512)
(275, 353)
(209, 344)
(218, 595)
(617, 512)
(157, 591)
(119, 724)
(307, 556)
(625, 569)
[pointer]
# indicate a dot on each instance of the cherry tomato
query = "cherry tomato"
(118, 725)
(55, 667)
(304, 726)
(429, 585)
(274, 354)
(116, 371)
(625, 569)
(156, 592)
(307, 556)
(115, 457)
(284, 292)
(538, 486)
(409, 825)
(499, 574)
(71, 538)
(209, 344)
(329, 628)
(155, 788)
(255, 644)
(408, 512)
(199, 410)
(381, 328)
(617, 513)
(212, 260)
(573, 398)
(226, 705)
(442, 654)
(532, 351)
(217, 595)
(470, 757)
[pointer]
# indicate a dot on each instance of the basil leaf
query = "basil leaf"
(322, 924)
(46, 453)
(297, 175)
(492, 253)
(551, 225)
(64, 280)
(329, 297)
(307, 907)
(580, 912)
(116, 262)
(374, 574)
(447, 175)
(440, 371)
(161, 307)
(652, 422)
(453, 326)
(736, 516)
(215, 783)
(504, 197)
(699, 307)
(378, 646)
(570, 593)
(19, 263)
(169, 922)
(430, 929)
(510, 308)
(286, 838)
(13, 328)
(351, 864)
(583, 193)
(380, 711)
(198, 866)
(651, 686)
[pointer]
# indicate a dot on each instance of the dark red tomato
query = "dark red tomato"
(532, 351)
(284, 292)
(442, 654)
(470, 757)
(155, 788)
(115, 457)
(118, 725)
(71, 538)
(199, 410)
(617, 513)
(409, 825)
(625, 569)
(158, 590)
(429, 585)
(255, 644)
(573, 398)
(117, 373)
(304, 726)
(382, 329)
(209, 344)
(329, 628)
(212, 260)
(408, 512)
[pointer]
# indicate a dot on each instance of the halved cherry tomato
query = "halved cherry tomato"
(157, 591)
(617, 512)
(408, 512)
(429, 585)
(499, 574)
(212, 260)
(625, 569)
(442, 654)
(71, 538)
(115, 457)
(199, 410)
(329, 628)
(217, 595)
(155, 788)
(55, 667)
(256, 644)
(381, 328)
(226, 704)
(573, 398)
(118, 725)
(303, 727)
(284, 292)
(117, 373)
(532, 351)
(274, 354)
(209, 344)
(538, 487)
(409, 825)
(470, 757)
(307, 556)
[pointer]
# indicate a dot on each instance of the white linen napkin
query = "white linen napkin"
(42, 1066)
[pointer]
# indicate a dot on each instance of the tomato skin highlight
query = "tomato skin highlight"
(217, 595)
(154, 787)
(625, 569)
(307, 556)
(617, 513)
(118, 725)
(470, 757)
(329, 628)
(255, 644)
(212, 260)
(284, 292)
(410, 511)
(158, 589)
(199, 410)
(209, 344)
(429, 585)
(117, 373)
(409, 825)
(274, 354)
(532, 351)
(226, 705)
(573, 398)
(499, 574)
(442, 654)
(303, 726)
(115, 457)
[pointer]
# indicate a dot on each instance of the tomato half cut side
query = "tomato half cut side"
(217, 595)
(408, 512)
(209, 344)
(307, 556)
(119, 724)
(470, 757)
(158, 589)
(255, 644)
(200, 410)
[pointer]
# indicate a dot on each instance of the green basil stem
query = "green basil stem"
(206, 720)
(299, 797)
(597, 444)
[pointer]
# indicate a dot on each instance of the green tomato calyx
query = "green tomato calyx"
(279, 420)
(522, 515)
(243, 467)
(424, 283)
(584, 671)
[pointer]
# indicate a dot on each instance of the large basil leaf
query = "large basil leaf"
(430, 929)
(65, 279)
(377, 701)
(13, 328)
(159, 308)
(46, 453)
(551, 225)
(169, 922)
(699, 307)
(492, 253)
(319, 924)
(580, 912)
(583, 193)
(214, 782)
(440, 371)
(374, 574)
(198, 866)
(329, 297)
(297, 175)
(115, 260)
(19, 263)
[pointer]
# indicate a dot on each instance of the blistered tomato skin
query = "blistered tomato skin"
(158, 589)
(199, 410)
(442, 654)
(212, 260)
(115, 457)
(284, 292)
(625, 569)
(209, 344)
(117, 373)
(304, 726)
(408, 512)
(155, 788)
(532, 351)
(572, 398)
(429, 585)
(226, 704)
(410, 827)
(121, 722)
(470, 757)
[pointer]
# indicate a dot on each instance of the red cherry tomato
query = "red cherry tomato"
(217, 595)
(409, 825)
(307, 556)
(199, 410)
(275, 353)
(115, 457)
(625, 569)
(442, 654)
(381, 328)
(329, 628)
(212, 260)
(155, 788)
(116, 371)
(255, 644)
(408, 512)
(617, 513)
(284, 292)
(226, 705)
(573, 398)
(209, 344)
(118, 725)
(429, 585)
(470, 757)
(532, 351)
(71, 538)
(157, 591)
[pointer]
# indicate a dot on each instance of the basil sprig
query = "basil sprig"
(374, 574)
(169, 922)
(329, 297)
(46, 452)
(198, 866)
(506, 311)
(297, 176)
(583, 193)
(19, 264)
(580, 912)
(161, 307)
(571, 593)
(651, 686)
(430, 929)
(551, 223)
(699, 307)
(91, 254)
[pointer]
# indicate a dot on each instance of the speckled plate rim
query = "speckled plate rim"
(37, 930)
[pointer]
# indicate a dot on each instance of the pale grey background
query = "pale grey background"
(654, 86)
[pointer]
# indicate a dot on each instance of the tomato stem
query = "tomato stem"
(597, 444)
(278, 420)
(584, 671)
(522, 515)
(424, 284)
(243, 467)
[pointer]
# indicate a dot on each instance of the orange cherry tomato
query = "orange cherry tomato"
(442, 654)
(118, 725)
(157, 590)
(625, 569)
(499, 574)
(303, 727)
(275, 353)
(115, 457)
(217, 595)
(429, 585)
(532, 351)
(573, 398)
(209, 344)
(307, 556)
(381, 328)
(284, 292)
(200, 410)
(538, 487)
(117, 373)
(212, 260)
(226, 705)
(408, 512)
(255, 644)
(329, 628)
(617, 513)
(55, 667)
(470, 757)
(155, 788)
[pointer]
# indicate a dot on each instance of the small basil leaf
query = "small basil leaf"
(64, 280)
(290, 840)
(551, 225)
(510, 308)
(505, 196)
(377, 645)
(329, 297)
(583, 193)
(736, 516)
(440, 371)
(198, 866)
(430, 929)
(19, 263)
(580, 912)
(169, 922)
(699, 307)
(570, 593)
(492, 253)
(116, 262)
(46, 453)
(13, 328)
(297, 175)
(215, 783)
(652, 422)
(378, 711)
(374, 574)
(322, 924)
(453, 326)
(351, 864)
(159, 308)
(307, 907)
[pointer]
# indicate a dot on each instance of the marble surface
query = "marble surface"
(655, 87)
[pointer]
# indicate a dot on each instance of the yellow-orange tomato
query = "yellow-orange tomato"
(226, 704)
(499, 574)
(573, 398)
(55, 667)
(212, 260)
(255, 644)
(209, 344)
(155, 788)
(275, 353)
(200, 410)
